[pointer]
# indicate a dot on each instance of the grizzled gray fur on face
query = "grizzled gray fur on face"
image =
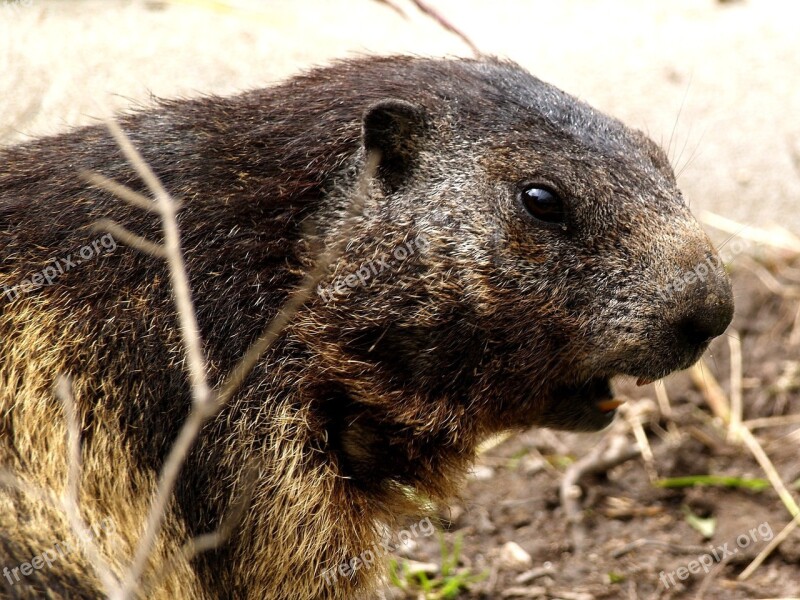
(518, 249)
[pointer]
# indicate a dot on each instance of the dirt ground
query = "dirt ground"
(636, 534)
(718, 83)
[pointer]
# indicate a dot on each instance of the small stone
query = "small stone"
(481, 473)
(406, 547)
(533, 464)
(413, 567)
(513, 556)
(532, 574)
(525, 592)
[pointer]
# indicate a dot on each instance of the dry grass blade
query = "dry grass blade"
(642, 542)
(705, 381)
(736, 385)
(794, 336)
(634, 420)
(775, 236)
(768, 279)
(786, 497)
(717, 400)
(772, 421)
(662, 398)
(769, 548)
(772, 474)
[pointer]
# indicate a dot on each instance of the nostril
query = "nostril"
(705, 324)
(695, 331)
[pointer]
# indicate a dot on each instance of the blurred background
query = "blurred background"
(717, 84)
(721, 80)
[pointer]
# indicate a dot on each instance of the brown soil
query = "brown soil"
(513, 496)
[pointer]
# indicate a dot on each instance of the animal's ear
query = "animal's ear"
(394, 129)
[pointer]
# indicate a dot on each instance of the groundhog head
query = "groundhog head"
(521, 249)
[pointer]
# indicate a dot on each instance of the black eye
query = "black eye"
(543, 204)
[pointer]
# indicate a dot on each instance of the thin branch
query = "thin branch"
(190, 332)
(240, 372)
(599, 460)
(202, 402)
(446, 24)
(11, 480)
(123, 192)
(206, 403)
(128, 238)
(394, 7)
(70, 501)
(215, 539)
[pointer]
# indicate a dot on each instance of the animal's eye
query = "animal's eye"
(543, 204)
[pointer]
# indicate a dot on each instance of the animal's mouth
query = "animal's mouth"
(596, 394)
(589, 405)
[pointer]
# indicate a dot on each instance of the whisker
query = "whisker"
(677, 118)
(683, 148)
(693, 155)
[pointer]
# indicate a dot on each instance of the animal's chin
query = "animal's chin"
(584, 406)
(588, 405)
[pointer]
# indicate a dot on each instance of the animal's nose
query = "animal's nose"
(707, 309)
(702, 326)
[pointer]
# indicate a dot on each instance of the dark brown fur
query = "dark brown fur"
(499, 322)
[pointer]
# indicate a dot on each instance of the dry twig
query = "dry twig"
(205, 402)
(437, 16)
(604, 457)
(736, 385)
(769, 548)
(72, 497)
(705, 381)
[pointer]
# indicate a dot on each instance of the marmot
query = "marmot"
(540, 240)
